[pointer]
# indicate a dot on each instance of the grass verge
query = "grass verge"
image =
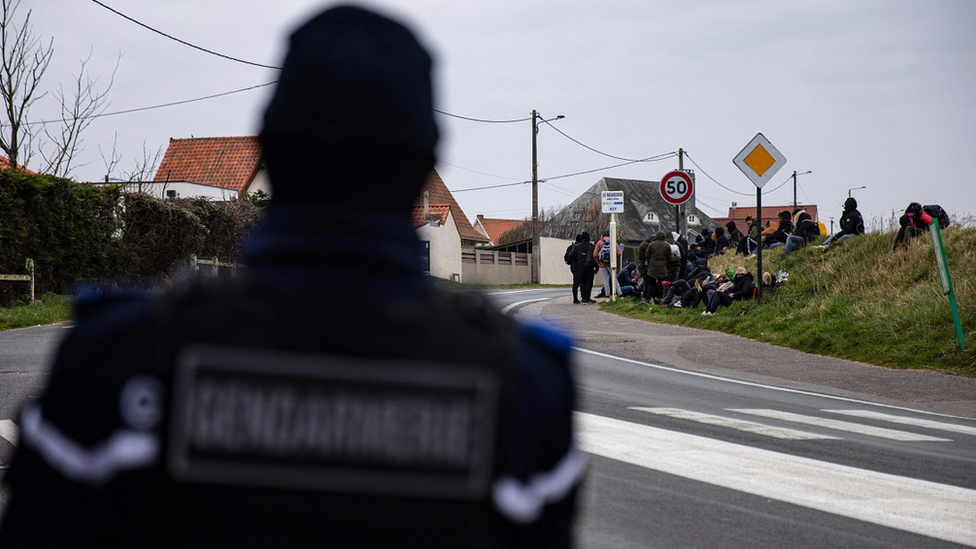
(49, 309)
(859, 302)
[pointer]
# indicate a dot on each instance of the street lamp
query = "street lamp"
(536, 120)
(794, 185)
(854, 189)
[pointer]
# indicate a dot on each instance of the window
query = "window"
(651, 217)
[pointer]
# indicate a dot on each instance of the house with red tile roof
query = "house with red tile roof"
(216, 167)
(443, 229)
(495, 228)
(438, 193)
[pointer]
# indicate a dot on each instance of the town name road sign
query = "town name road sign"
(677, 187)
(759, 160)
(613, 201)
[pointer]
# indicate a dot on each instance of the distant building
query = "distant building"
(738, 214)
(645, 212)
(220, 168)
(495, 228)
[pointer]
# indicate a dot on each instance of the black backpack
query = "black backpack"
(937, 212)
(568, 256)
(589, 260)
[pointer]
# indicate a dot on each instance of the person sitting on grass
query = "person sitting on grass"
(851, 224)
(742, 288)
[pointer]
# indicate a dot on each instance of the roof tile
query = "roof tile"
(228, 162)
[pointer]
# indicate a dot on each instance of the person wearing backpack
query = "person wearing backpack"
(601, 253)
(914, 222)
(584, 267)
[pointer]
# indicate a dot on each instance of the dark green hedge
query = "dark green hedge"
(78, 232)
(69, 230)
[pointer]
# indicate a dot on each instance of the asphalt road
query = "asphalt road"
(699, 439)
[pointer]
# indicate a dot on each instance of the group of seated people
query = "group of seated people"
(688, 280)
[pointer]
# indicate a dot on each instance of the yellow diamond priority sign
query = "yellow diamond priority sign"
(759, 160)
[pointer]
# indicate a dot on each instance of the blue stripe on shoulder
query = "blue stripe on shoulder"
(549, 336)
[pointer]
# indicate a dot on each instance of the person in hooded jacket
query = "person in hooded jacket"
(584, 269)
(851, 224)
(742, 288)
(707, 243)
(734, 234)
(914, 222)
(722, 242)
(804, 230)
(267, 410)
(658, 255)
(783, 228)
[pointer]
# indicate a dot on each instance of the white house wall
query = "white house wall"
(260, 183)
(183, 189)
(445, 248)
(553, 268)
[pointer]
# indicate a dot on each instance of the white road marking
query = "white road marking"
(9, 431)
(918, 506)
(516, 304)
(918, 422)
(762, 385)
(881, 432)
(738, 424)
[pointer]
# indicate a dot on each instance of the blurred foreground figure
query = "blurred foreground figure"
(283, 408)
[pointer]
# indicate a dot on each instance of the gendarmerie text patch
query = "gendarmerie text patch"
(322, 422)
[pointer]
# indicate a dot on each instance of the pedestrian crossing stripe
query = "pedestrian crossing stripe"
(837, 425)
(737, 424)
(917, 422)
(9, 431)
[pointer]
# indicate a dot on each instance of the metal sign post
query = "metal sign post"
(940, 261)
(759, 161)
(613, 203)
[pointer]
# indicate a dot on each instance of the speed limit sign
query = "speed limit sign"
(677, 187)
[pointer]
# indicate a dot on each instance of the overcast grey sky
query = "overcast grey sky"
(880, 93)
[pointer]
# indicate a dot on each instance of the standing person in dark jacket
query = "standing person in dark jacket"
(269, 411)
(570, 259)
(584, 268)
(658, 255)
(851, 223)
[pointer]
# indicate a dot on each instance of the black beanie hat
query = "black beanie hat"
(354, 101)
(352, 75)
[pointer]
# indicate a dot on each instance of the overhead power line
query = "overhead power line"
(173, 104)
(184, 42)
(483, 119)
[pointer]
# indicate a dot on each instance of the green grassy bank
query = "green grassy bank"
(49, 309)
(860, 302)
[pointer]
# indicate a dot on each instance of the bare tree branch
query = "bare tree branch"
(24, 61)
(86, 103)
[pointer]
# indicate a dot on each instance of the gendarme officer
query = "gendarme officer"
(295, 406)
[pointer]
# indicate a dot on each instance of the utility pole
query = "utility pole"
(535, 204)
(794, 190)
(682, 223)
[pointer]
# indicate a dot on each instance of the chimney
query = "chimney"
(426, 206)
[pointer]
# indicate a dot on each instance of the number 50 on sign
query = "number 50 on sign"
(677, 187)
